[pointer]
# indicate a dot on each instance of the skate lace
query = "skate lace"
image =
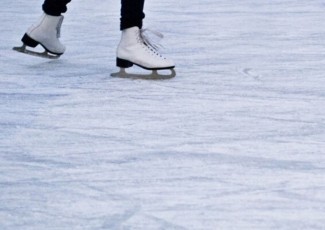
(58, 27)
(151, 38)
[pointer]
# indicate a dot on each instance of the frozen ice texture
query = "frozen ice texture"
(235, 141)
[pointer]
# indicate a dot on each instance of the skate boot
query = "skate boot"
(46, 32)
(136, 49)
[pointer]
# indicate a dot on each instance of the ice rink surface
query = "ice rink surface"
(235, 141)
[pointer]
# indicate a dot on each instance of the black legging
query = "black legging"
(131, 11)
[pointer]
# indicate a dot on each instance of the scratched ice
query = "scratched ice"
(235, 141)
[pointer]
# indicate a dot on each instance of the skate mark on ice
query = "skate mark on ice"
(10, 85)
(30, 96)
(164, 224)
(250, 73)
(306, 194)
(37, 161)
(252, 162)
(115, 221)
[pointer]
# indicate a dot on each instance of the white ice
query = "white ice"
(235, 141)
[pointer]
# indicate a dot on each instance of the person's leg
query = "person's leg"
(55, 7)
(131, 13)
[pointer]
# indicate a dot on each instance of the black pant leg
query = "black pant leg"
(55, 7)
(131, 13)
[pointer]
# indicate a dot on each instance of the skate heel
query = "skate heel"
(123, 63)
(28, 41)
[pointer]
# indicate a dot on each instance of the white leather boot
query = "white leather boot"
(133, 49)
(46, 32)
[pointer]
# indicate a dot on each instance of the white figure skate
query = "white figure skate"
(46, 32)
(136, 49)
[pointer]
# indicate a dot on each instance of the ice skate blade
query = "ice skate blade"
(153, 76)
(45, 54)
